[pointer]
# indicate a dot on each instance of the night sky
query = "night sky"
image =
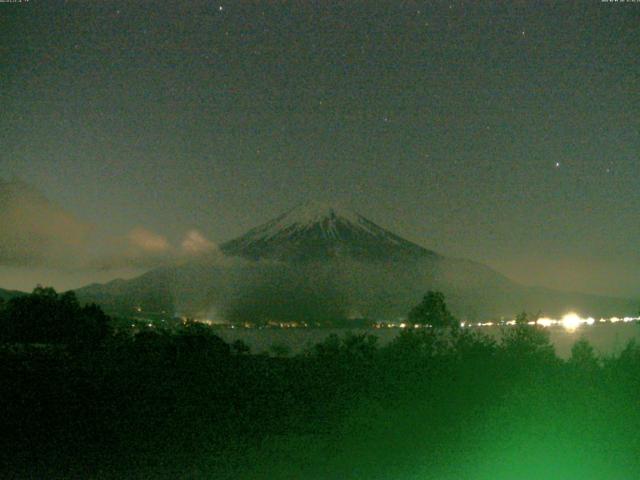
(507, 133)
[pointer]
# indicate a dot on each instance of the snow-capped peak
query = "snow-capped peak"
(325, 219)
(319, 230)
(314, 212)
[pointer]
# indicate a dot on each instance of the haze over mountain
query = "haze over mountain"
(318, 262)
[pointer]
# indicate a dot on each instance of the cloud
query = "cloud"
(142, 248)
(139, 248)
(147, 241)
(263, 290)
(37, 232)
(195, 243)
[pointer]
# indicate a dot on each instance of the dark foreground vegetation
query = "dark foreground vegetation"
(436, 403)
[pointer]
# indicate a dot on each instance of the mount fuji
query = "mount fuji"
(315, 231)
(319, 262)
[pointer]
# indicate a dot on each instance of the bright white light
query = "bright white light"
(571, 321)
(546, 322)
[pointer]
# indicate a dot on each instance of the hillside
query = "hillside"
(319, 262)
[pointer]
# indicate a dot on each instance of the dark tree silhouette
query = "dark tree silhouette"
(524, 342)
(44, 316)
(240, 347)
(353, 346)
(583, 356)
(198, 340)
(280, 350)
(433, 311)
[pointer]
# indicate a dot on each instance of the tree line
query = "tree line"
(436, 402)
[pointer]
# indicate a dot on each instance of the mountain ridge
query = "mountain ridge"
(318, 261)
(313, 229)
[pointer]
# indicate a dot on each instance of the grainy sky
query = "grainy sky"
(504, 132)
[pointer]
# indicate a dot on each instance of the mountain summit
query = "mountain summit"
(316, 231)
(332, 263)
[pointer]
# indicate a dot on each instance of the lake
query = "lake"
(606, 338)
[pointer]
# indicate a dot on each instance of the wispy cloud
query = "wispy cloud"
(194, 243)
(35, 232)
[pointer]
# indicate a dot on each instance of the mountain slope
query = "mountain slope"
(317, 262)
(314, 230)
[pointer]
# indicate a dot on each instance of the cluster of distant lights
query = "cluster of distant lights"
(570, 322)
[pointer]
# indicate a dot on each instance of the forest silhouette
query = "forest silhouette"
(84, 397)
